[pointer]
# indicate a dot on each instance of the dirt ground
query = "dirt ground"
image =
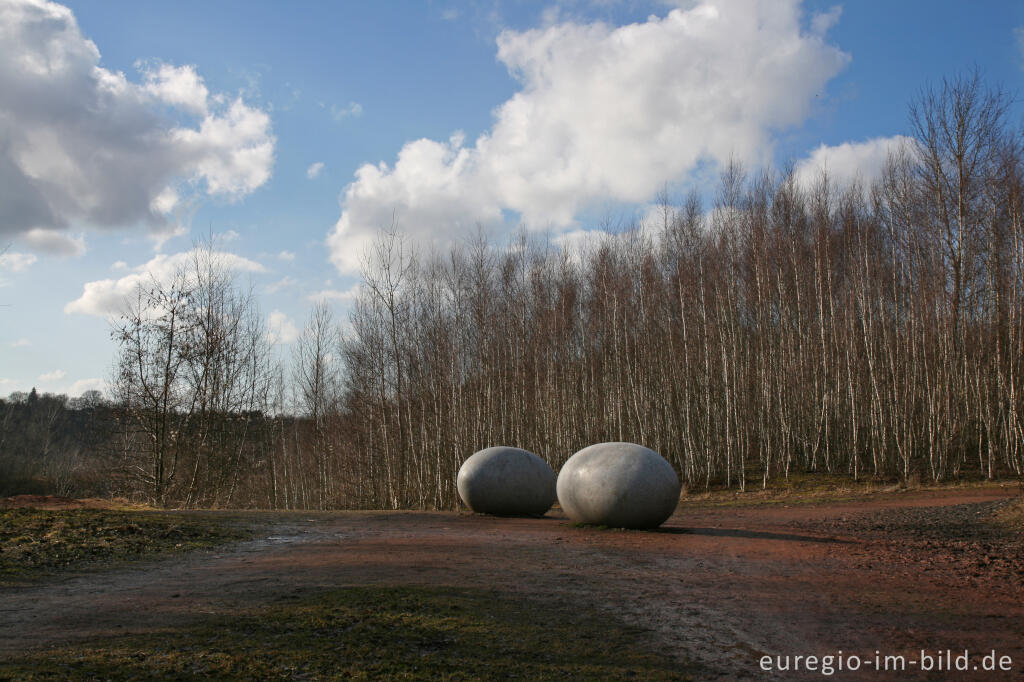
(718, 587)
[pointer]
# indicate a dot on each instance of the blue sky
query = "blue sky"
(184, 118)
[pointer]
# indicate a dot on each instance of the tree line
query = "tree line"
(50, 444)
(783, 326)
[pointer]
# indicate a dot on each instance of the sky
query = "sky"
(293, 132)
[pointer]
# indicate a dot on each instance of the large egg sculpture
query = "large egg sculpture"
(506, 481)
(622, 485)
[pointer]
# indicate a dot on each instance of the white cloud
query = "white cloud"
(55, 375)
(821, 23)
(166, 201)
(603, 114)
(162, 236)
(848, 162)
(314, 170)
(335, 294)
(283, 283)
(229, 236)
(17, 262)
(280, 329)
(286, 256)
(106, 297)
(235, 152)
(86, 145)
(353, 110)
(579, 242)
(21, 343)
(82, 385)
(179, 86)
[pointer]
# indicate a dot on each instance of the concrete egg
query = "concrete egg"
(623, 485)
(506, 481)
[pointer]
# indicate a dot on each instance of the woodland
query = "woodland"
(774, 326)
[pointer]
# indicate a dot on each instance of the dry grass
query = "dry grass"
(35, 542)
(403, 633)
(55, 502)
(1012, 515)
(814, 489)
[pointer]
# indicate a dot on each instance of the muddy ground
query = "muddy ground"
(716, 587)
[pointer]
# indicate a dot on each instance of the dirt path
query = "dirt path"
(719, 586)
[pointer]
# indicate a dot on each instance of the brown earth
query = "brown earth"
(718, 587)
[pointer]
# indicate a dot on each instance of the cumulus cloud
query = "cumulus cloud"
(286, 256)
(234, 152)
(849, 162)
(335, 294)
(55, 375)
(283, 283)
(603, 113)
(84, 145)
(82, 385)
(106, 297)
(581, 241)
(161, 238)
(54, 242)
(178, 86)
(17, 262)
(822, 22)
(280, 329)
(314, 170)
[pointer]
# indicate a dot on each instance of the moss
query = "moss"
(369, 633)
(35, 543)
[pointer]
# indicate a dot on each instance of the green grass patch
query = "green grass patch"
(36, 543)
(372, 633)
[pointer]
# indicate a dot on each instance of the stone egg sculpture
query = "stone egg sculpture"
(622, 485)
(506, 481)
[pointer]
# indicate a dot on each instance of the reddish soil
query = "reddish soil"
(719, 586)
